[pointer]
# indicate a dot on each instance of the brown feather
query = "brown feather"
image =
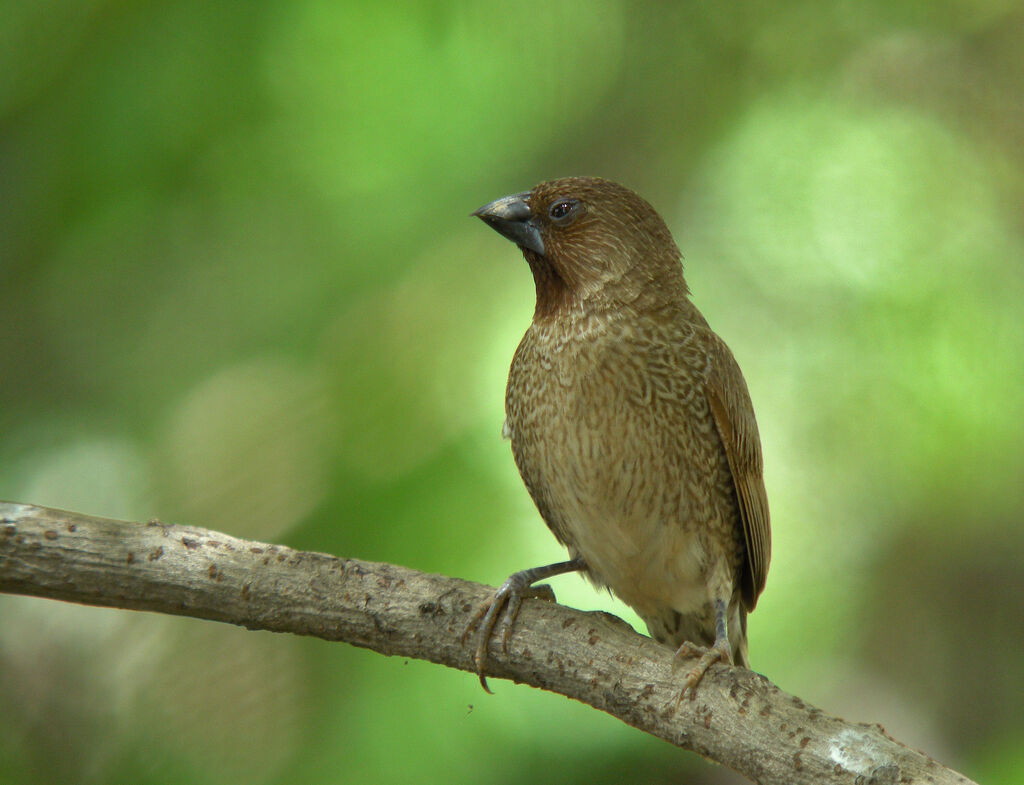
(734, 416)
(629, 419)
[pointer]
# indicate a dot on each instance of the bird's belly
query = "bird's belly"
(647, 547)
(638, 507)
(619, 449)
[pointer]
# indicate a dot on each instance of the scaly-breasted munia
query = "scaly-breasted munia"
(631, 423)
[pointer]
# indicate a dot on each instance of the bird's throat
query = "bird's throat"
(553, 294)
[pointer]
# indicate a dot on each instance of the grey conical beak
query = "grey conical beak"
(510, 216)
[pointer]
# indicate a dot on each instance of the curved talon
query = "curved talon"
(510, 596)
(512, 606)
(487, 617)
(719, 651)
(709, 655)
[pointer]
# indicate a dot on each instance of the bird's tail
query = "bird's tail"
(738, 639)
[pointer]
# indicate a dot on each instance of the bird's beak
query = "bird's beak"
(510, 216)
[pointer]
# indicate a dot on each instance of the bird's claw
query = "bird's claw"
(708, 655)
(509, 596)
(516, 588)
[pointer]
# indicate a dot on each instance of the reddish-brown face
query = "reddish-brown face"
(595, 230)
(587, 237)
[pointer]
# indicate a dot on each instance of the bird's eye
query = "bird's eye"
(562, 210)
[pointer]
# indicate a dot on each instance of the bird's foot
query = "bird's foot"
(509, 596)
(708, 655)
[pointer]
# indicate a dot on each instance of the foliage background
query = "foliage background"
(241, 290)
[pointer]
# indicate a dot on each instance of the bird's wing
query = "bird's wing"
(730, 404)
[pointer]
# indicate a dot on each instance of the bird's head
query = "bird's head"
(590, 243)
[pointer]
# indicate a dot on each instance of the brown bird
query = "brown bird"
(631, 424)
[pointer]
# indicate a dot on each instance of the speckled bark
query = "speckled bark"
(738, 718)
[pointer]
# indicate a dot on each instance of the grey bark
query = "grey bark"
(737, 718)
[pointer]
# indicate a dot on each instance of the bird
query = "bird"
(631, 426)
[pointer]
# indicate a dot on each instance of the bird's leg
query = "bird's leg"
(510, 595)
(719, 651)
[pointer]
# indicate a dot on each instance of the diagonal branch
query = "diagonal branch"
(737, 718)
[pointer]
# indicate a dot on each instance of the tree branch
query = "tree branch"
(737, 718)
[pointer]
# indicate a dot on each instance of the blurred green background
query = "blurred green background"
(241, 290)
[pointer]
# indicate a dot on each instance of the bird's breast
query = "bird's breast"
(615, 441)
